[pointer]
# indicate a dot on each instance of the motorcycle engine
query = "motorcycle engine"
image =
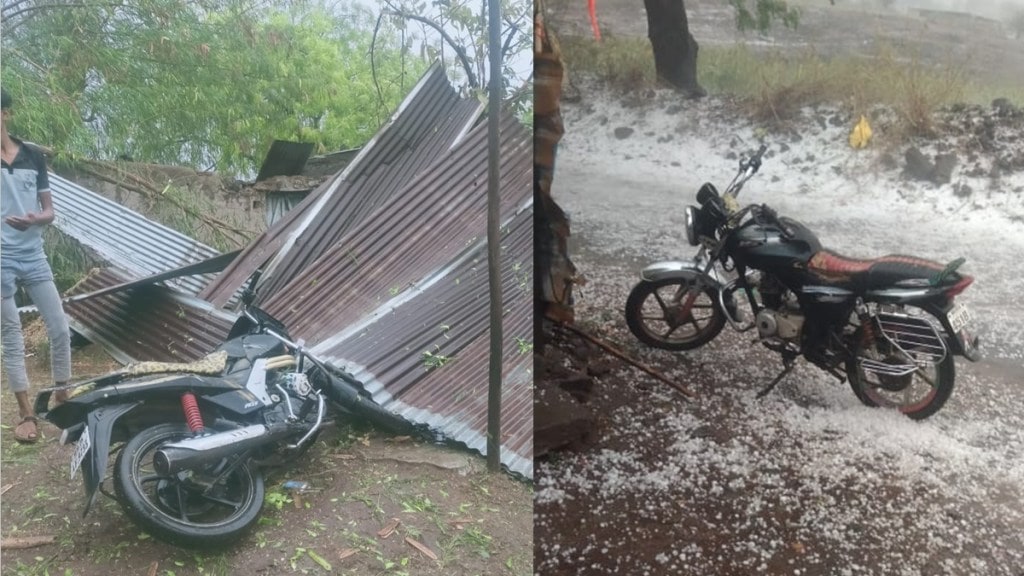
(780, 324)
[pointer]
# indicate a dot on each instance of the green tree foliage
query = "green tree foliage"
(209, 83)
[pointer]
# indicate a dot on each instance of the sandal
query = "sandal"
(27, 431)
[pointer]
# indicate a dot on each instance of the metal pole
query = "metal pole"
(494, 239)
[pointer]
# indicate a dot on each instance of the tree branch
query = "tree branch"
(459, 50)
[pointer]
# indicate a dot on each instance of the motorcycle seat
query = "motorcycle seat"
(891, 271)
(212, 364)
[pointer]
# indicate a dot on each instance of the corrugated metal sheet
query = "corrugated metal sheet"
(124, 238)
(380, 264)
(384, 293)
(449, 318)
(148, 322)
(428, 122)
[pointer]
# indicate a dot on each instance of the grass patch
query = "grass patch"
(774, 87)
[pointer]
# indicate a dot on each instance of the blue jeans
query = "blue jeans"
(37, 278)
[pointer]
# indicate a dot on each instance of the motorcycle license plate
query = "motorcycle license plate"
(959, 317)
(81, 449)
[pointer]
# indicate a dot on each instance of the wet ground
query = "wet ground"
(806, 480)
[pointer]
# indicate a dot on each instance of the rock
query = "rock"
(623, 132)
(917, 167)
(783, 147)
(1003, 107)
(944, 165)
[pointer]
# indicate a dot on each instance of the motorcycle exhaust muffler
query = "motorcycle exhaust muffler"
(192, 452)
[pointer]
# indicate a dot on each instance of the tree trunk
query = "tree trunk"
(675, 50)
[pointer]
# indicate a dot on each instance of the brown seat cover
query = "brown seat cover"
(882, 272)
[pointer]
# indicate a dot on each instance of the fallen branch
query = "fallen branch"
(622, 356)
(422, 548)
(146, 189)
(26, 542)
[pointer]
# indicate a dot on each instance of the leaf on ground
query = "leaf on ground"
(319, 560)
(422, 548)
(389, 528)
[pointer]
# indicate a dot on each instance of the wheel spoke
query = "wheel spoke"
(181, 502)
(229, 503)
(924, 376)
(664, 307)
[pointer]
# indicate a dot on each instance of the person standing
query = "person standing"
(27, 207)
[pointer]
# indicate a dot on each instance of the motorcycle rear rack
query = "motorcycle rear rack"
(915, 338)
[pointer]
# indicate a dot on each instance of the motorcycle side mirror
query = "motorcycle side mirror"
(707, 192)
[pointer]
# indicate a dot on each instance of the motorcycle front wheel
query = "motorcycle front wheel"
(876, 376)
(201, 508)
(673, 314)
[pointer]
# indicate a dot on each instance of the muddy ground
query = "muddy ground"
(476, 523)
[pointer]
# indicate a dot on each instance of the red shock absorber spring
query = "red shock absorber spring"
(192, 415)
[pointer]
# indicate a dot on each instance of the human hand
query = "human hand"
(23, 223)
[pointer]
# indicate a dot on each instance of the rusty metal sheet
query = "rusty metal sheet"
(427, 123)
(150, 322)
(411, 278)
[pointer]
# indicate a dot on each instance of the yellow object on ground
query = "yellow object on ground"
(861, 133)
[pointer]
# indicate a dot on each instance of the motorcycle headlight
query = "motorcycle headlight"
(691, 226)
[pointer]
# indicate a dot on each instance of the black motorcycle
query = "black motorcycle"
(889, 325)
(195, 438)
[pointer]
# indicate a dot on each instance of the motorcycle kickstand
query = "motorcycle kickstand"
(788, 362)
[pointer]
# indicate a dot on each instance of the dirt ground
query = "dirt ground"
(474, 522)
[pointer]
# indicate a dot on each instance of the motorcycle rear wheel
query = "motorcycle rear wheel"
(918, 395)
(654, 314)
(178, 508)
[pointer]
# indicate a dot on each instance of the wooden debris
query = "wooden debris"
(6, 488)
(389, 529)
(622, 356)
(422, 548)
(152, 568)
(346, 552)
(460, 523)
(26, 542)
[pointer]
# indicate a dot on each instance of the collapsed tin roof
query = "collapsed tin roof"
(382, 270)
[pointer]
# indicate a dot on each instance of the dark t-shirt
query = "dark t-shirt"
(20, 185)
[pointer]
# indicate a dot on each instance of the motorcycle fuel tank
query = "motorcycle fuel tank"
(766, 247)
